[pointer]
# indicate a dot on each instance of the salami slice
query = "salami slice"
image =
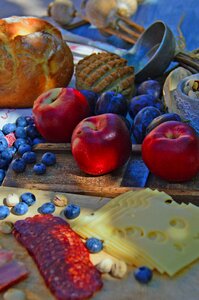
(60, 255)
(11, 273)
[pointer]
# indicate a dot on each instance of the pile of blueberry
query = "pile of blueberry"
(139, 112)
(20, 207)
(25, 135)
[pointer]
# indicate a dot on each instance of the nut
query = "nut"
(11, 200)
(105, 265)
(60, 200)
(6, 227)
(119, 269)
(191, 88)
(14, 294)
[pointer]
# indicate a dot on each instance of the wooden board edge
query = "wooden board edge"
(67, 147)
(110, 192)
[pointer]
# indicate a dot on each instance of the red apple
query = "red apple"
(57, 112)
(101, 143)
(171, 151)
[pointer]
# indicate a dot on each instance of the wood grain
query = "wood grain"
(65, 176)
(182, 286)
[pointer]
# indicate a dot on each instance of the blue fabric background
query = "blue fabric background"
(169, 11)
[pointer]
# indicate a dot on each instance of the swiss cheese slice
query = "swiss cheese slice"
(146, 228)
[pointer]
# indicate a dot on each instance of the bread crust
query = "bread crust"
(33, 59)
(101, 72)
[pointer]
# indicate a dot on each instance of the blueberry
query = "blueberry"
(72, 211)
(111, 102)
(18, 165)
(91, 98)
(20, 132)
(20, 208)
(38, 140)
(21, 121)
(47, 208)
(8, 128)
(151, 87)
(7, 155)
(19, 141)
(29, 157)
(48, 159)
(24, 148)
(32, 131)
(3, 144)
(12, 150)
(4, 212)
(2, 175)
(143, 274)
(30, 120)
(39, 168)
(94, 245)
(28, 198)
(1, 134)
(4, 163)
(142, 120)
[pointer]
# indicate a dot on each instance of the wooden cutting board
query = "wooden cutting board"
(65, 176)
(182, 286)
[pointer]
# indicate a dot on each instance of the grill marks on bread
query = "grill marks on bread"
(105, 71)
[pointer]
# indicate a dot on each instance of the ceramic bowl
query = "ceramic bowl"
(188, 106)
(154, 51)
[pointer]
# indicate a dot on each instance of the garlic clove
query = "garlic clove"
(126, 8)
(11, 200)
(119, 269)
(62, 11)
(105, 265)
(100, 13)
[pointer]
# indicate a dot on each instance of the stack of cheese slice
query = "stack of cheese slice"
(146, 228)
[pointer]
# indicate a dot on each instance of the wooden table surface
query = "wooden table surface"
(182, 286)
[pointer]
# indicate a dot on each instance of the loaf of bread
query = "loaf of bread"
(33, 58)
(101, 72)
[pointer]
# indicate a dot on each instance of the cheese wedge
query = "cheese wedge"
(146, 228)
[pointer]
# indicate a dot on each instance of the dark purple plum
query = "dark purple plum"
(161, 119)
(142, 121)
(111, 102)
(127, 122)
(91, 97)
(141, 101)
(151, 87)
